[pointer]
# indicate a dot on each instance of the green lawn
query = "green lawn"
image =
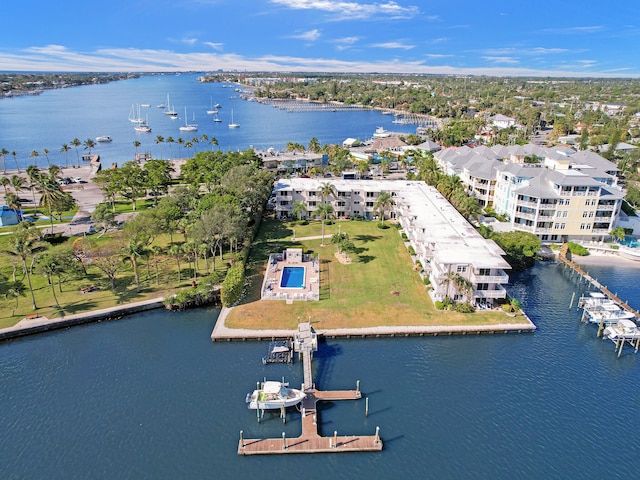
(379, 287)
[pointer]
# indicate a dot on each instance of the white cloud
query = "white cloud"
(345, 10)
(575, 30)
(189, 40)
(393, 45)
(59, 58)
(215, 46)
(505, 60)
(310, 36)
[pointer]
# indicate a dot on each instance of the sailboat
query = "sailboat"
(143, 127)
(189, 127)
(212, 111)
(232, 124)
(216, 119)
(170, 111)
(133, 117)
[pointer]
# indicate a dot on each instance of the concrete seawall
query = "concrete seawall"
(38, 324)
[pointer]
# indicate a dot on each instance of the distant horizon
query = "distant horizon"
(310, 73)
(575, 39)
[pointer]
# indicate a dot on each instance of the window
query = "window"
(484, 272)
(585, 214)
(371, 194)
(461, 268)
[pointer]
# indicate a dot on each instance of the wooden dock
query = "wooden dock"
(565, 259)
(310, 441)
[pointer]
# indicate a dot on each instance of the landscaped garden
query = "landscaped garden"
(378, 288)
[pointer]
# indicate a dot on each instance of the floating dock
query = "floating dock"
(310, 441)
(280, 351)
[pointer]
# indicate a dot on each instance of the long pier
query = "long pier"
(310, 441)
(564, 258)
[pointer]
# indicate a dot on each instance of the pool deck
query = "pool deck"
(272, 288)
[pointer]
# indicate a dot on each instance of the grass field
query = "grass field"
(379, 287)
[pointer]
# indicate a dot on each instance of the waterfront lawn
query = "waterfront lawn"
(72, 300)
(379, 287)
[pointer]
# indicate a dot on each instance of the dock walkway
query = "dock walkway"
(310, 441)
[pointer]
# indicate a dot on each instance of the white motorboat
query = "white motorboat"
(381, 133)
(274, 395)
(623, 330)
(103, 138)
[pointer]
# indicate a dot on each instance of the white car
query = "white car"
(77, 180)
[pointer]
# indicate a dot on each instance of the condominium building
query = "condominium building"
(459, 262)
(555, 193)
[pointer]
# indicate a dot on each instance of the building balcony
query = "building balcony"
(501, 278)
(497, 293)
(606, 207)
(523, 203)
(287, 198)
(526, 216)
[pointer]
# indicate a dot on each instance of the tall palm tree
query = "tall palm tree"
(76, 143)
(34, 154)
(5, 182)
(16, 290)
(14, 154)
(24, 243)
(194, 141)
(180, 142)
(136, 145)
(89, 144)
(65, 148)
(46, 154)
(13, 202)
(50, 193)
(156, 250)
(327, 190)
(17, 182)
(383, 204)
(175, 251)
(132, 251)
(325, 211)
(4, 152)
(170, 141)
(314, 145)
(214, 141)
(34, 175)
(159, 141)
(298, 208)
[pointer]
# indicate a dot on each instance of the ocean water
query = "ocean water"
(55, 117)
(150, 396)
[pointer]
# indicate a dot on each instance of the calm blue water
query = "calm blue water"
(58, 116)
(292, 277)
(631, 242)
(152, 397)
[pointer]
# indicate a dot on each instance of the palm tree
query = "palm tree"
(15, 289)
(4, 181)
(13, 202)
(34, 175)
(156, 250)
(617, 234)
(50, 193)
(76, 143)
(46, 154)
(325, 210)
(159, 141)
(214, 141)
(298, 209)
(136, 145)
(463, 285)
(314, 145)
(48, 267)
(327, 190)
(24, 243)
(89, 144)
(34, 154)
(176, 252)
(180, 142)
(17, 182)
(383, 203)
(170, 141)
(65, 148)
(14, 154)
(132, 251)
(4, 152)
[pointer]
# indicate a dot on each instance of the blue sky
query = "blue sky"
(495, 37)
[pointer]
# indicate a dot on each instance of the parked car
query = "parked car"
(91, 230)
(77, 180)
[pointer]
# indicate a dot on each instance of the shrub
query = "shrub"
(426, 281)
(383, 226)
(465, 307)
(232, 285)
(404, 236)
(577, 249)
(411, 250)
(506, 307)
(439, 305)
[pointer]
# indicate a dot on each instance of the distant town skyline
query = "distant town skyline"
(571, 38)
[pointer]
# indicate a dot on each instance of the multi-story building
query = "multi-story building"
(555, 193)
(459, 262)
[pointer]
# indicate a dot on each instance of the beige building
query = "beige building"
(459, 262)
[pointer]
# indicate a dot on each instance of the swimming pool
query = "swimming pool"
(631, 242)
(292, 277)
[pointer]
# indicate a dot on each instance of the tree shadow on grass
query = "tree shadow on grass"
(366, 238)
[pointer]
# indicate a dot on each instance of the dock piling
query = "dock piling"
(241, 440)
(377, 440)
(366, 407)
(284, 441)
(573, 296)
(335, 439)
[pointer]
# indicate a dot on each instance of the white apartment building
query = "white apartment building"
(445, 244)
(567, 195)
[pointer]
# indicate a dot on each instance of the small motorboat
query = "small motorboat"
(103, 138)
(274, 395)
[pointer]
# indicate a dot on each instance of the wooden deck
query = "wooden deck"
(310, 441)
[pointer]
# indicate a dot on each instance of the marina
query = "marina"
(310, 441)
